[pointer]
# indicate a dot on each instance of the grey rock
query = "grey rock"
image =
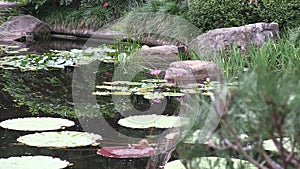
(20, 27)
(158, 57)
(191, 71)
(210, 43)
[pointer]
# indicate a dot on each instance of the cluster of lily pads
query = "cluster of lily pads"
(153, 89)
(55, 59)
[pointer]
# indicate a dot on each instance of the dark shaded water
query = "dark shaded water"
(82, 158)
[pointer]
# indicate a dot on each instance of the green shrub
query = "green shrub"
(214, 14)
(294, 36)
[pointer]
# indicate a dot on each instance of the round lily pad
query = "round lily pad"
(155, 81)
(170, 94)
(123, 83)
(60, 139)
(158, 121)
(111, 87)
(270, 146)
(210, 163)
(29, 162)
(101, 93)
(36, 123)
(127, 152)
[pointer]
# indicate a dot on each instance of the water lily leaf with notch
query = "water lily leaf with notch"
(29, 162)
(126, 152)
(158, 121)
(36, 123)
(210, 163)
(62, 139)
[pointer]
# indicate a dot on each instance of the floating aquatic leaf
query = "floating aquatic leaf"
(59, 139)
(123, 82)
(12, 52)
(127, 152)
(270, 146)
(36, 123)
(154, 96)
(169, 94)
(29, 162)
(23, 50)
(210, 163)
(155, 81)
(158, 121)
(112, 87)
(101, 93)
(207, 94)
(121, 93)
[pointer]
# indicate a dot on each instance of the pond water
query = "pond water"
(49, 93)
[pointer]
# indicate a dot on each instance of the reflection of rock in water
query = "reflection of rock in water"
(58, 44)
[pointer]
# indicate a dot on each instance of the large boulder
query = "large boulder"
(192, 71)
(210, 43)
(158, 57)
(23, 27)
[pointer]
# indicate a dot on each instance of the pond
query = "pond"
(48, 93)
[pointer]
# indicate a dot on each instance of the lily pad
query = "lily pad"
(210, 163)
(101, 93)
(170, 94)
(112, 87)
(121, 93)
(154, 96)
(123, 83)
(60, 139)
(36, 123)
(127, 152)
(29, 162)
(155, 81)
(158, 121)
(270, 146)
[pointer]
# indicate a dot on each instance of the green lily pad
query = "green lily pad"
(154, 96)
(36, 123)
(111, 87)
(170, 94)
(29, 162)
(155, 81)
(123, 83)
(101, 93)
(158, 121)
(12, 52)
(60, 139)
(210, 163)
(23, 50)
(121, 93)
(270, 146)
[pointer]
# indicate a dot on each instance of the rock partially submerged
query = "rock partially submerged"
(210, 43)
(192, 71)
(25, 27)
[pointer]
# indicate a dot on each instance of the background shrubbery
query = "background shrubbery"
(214, 14)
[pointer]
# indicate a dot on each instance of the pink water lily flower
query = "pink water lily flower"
(155, 72)
(156, 101)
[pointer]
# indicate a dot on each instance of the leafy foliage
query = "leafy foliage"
(268, 93)
(214, 14)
